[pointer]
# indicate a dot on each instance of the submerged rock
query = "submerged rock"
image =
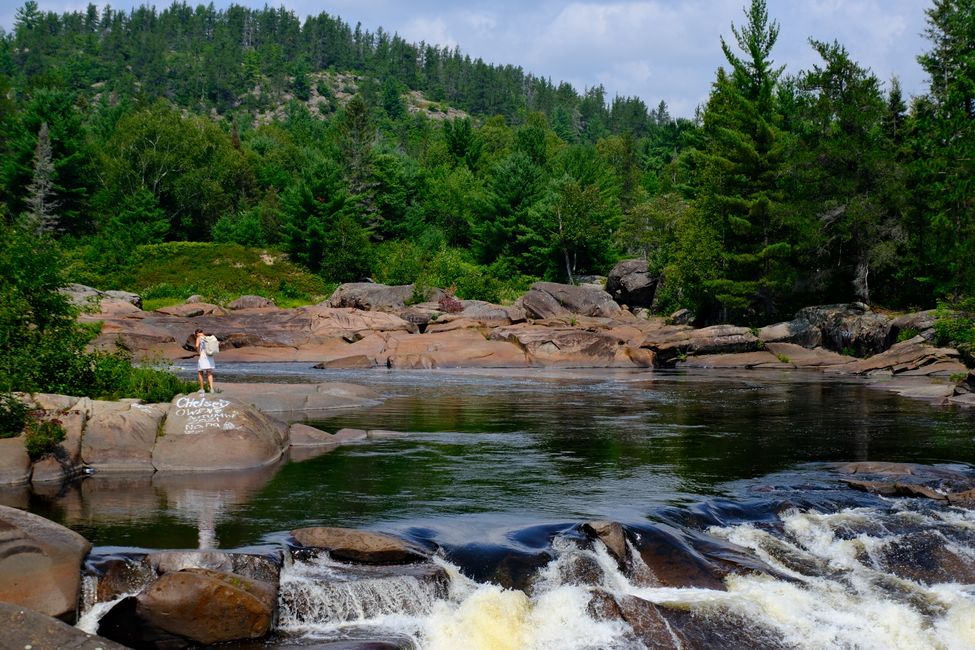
(613, 535)
(40, 563)
(351, 545)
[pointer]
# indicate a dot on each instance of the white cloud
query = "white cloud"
(432, 31)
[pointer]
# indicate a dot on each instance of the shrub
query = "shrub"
(42, 437)
(13, 416)
(955, 323)
(907, 334)
(116, 377)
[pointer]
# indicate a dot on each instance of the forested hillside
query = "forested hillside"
(361, 155)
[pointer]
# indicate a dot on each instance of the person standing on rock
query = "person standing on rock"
(205, 365)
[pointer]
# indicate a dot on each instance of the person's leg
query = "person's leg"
(210, 378)
(199, 376)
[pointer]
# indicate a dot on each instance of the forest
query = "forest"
(360, 155)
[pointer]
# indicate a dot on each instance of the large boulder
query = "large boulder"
(360, 546)
(369, 296)
(910, 325)
(86, 297)
(206, 433)
(549, 300)
(848, 327)
(797, 332)
(564, 346)
(121, 440)
(14, 462)
(40, 563)
(673, 343)
(198, 606)
(631, 284)
(462, 348)
(24, 628)
(251, 302)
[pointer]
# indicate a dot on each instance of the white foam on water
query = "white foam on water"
(857, 605)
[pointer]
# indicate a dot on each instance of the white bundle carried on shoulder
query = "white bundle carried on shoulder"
(211, 345)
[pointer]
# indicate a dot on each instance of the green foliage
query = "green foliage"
(13, 416)
(42, 437)
(116, 377)
(955, 323)
(906, 334)
(218, 272)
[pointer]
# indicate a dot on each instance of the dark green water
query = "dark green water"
(490, 453)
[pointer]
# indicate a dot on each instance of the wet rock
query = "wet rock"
(194, 605)
(117, 576)
(122, 440)
(672, 559)
(926, 557)
(630, 283)
(549, 299)
(15, 464)
(250, 302)
(204, 433)
(896, 489)
(848, 327)
(295, 398)
(352, 361)
(303, 435)
(351, 545)
(612, 535)
(40, 563)
(25, 628)
(265, 568)
(671, 343)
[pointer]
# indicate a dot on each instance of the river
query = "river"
(502, 464)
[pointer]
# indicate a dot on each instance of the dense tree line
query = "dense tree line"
(122, 130)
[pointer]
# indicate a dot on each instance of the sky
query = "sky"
(654, 49)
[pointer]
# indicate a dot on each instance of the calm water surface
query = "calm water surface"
(493, 452)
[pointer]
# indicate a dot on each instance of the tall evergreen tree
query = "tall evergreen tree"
(739, 200)
(41, 204)
(945, 159)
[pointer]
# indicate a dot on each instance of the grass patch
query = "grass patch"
(117, 378)
(907, 334)
(167, 274)
(783, 358)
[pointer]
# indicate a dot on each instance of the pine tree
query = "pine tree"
(946, 162)
(739, 201)
(41, 204)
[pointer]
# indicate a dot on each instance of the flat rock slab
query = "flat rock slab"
(351, 545)
(40, 563)
(206, 433)
(25, 628)
(291, 398)
(802, 357)
(758, 359)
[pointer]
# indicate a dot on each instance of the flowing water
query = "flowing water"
(500, 469)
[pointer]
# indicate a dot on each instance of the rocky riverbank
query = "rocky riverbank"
(243, 427)
(366, 325)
